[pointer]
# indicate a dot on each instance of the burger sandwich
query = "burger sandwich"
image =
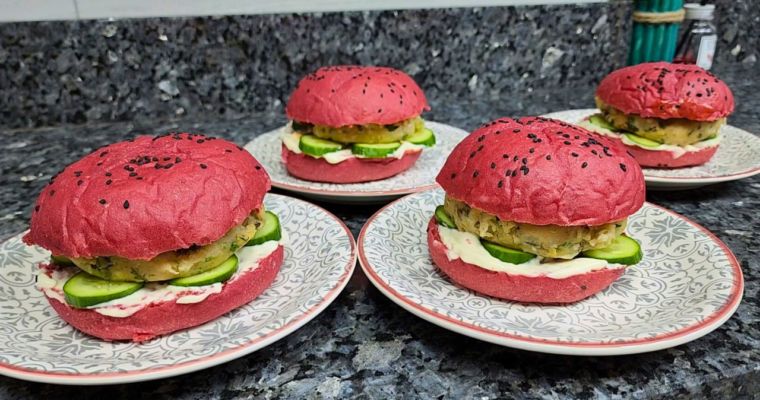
(354, 124)
(535, 211)
(666, 115)
(155, 235)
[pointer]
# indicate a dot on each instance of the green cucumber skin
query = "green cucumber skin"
(81, 300)
(425, 137)
(642, 141)
(314, 146)
(506, 254)
(379, 150)
(221, 273)
(623, 250)
(599, 121)
(266, 233)
(443, 218)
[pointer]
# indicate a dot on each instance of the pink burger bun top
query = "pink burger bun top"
(140, 198)
(355, 95)
(664, 90)
(540, 171)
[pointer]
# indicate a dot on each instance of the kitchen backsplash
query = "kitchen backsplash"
(71, 72)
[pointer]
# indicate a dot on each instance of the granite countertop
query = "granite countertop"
(364, 346)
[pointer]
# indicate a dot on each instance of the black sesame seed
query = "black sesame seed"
(514, 173)
(516, 131)
(103, 153)
(584, 165)
(593, 152)
(52, 192)
(548, 157)
(203, 166)
(622, 166)
(566, 142)
(228, 151)
(158, 166)
(177, 160)
(475, 174)
(493, 165)
(574, 154)
(509, 171)
(505, 156)
(167, 166)
(480, 147)
(379, 110)
(108, 182)
(515, 158)
(566, 136)
(126, 204)
(155, 158)
(77, 173)
(37, 207)
(239, 148)
(473, 154)
(102, 201)
(526, 170)
(108, 174)
(532, 150)
(501, 183)
(79, 182)
(453, 176)
(133, 174)
(167, 158)
(258, 167)
(524, 161)
(139, 178)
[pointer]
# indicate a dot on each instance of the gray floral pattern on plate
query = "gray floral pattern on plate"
(737, 155)
(318, 263)
(267, 150)
(686, 279)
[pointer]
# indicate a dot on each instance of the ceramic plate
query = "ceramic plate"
(37, 345)
(267, 148)
(687, 285)
(737, 157)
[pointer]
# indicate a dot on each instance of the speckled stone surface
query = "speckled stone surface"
(364, 346)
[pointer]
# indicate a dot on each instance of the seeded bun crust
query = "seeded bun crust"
(559, 174)
(664, 90)
(541, 289)
(667, 159)
(140, 198)
(355, 95)
(166, 317)
(353, 170)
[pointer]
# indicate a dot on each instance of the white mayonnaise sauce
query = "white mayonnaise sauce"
(291, 140)
(467, 247)
(676, 151)
(159, 292)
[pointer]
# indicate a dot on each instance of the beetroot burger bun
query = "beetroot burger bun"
(535, 211)
(668, 115)
(354, 124)
(154, 235)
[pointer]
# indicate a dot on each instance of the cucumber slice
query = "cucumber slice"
(443, 218)
(60, 260)
(623, 250)
(506, 254)
(710, 137)
(375, 150)
(221, 273)
(424, 137)
(599, 121)
(642, 141)
(270, 231)
(84, 290)
(316, 147)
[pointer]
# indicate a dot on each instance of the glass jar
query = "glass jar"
(697, 44)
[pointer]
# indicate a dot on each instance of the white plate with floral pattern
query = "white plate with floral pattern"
(687, 285)
(738, 157)
(267, 150)
(37, 345)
